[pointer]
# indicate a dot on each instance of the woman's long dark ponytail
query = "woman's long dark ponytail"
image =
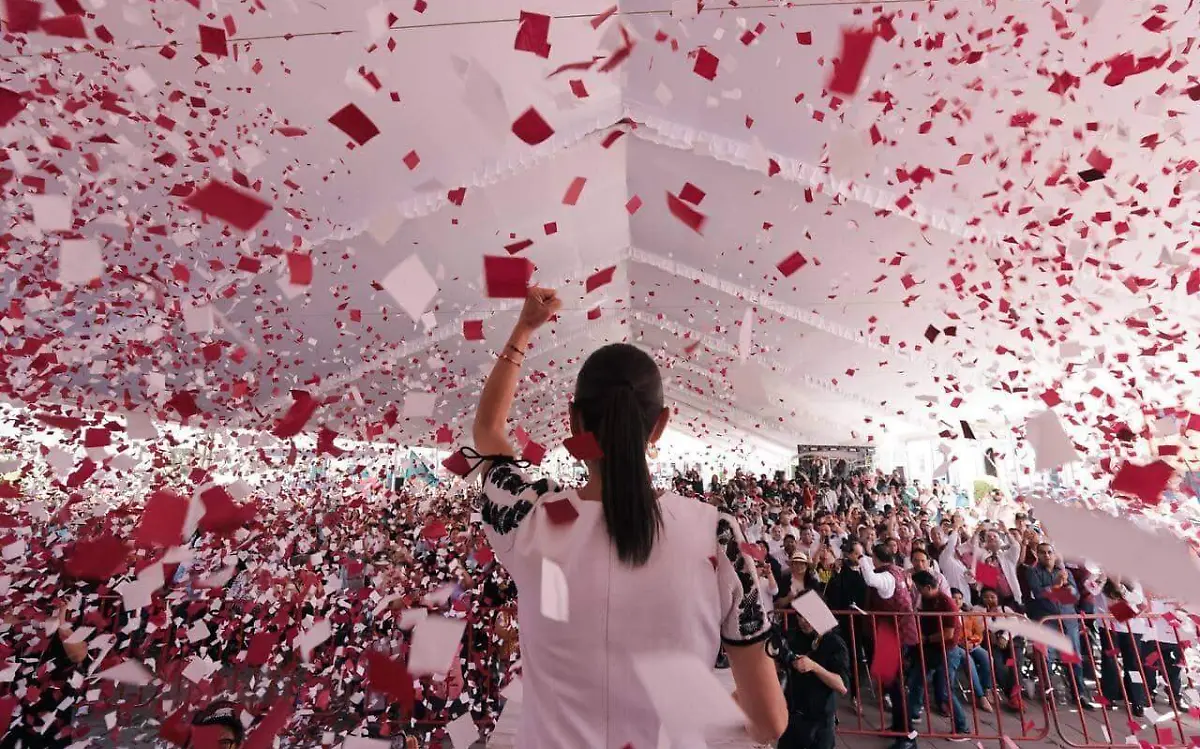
(618, 398)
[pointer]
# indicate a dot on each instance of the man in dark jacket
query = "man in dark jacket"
(847, 590)
(818, 668)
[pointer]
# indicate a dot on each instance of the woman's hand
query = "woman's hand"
(540, 305)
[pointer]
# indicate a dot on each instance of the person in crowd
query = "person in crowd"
(997, 568)
(826, 564)
(818, 672)
(1004, 651)
(1122, 644)
(629, 558)
(978, 658)
(217, 726)
(950, 557)
(847, 590)
(46, 714)
(1162, 650)
(941, 638)
(921, 563)
(890, 594)
(801, 579)
(1052, 592)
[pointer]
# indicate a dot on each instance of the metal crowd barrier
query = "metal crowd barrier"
(1127, 661)
(1030, 689)
(1121, 664)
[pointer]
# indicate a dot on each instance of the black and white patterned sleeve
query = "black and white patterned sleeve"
(508, 498)
(745, 618)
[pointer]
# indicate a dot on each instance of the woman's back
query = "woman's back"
(579, 684)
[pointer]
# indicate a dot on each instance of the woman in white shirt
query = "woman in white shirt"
(643, 574)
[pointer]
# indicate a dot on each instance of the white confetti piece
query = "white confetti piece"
(411, 286)
(435, 641)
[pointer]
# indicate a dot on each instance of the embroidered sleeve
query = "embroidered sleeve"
(744, 617)
(508, 498)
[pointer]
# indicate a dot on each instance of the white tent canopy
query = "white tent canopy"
(957, 266)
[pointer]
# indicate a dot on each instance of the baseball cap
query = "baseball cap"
(800, 556)
(221, 713)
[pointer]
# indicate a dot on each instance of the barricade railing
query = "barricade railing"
(897, 685)
(1121, 664)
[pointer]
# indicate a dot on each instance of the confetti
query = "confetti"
(507, 277)
(851, 61)
(533, 34)
(235, 207)
(353, 122)
(531, 128)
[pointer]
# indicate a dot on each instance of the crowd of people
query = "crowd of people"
(878, 549)
(108, 629)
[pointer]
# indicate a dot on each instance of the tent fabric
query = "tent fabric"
(955, 265)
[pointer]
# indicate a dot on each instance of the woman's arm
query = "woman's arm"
(758, 692)
(491, 418)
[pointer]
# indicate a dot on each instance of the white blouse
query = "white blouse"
(579, 687)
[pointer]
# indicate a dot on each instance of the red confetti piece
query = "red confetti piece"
(632, 206)
(98, 559)
(457, 464)
(68, 27)
(262, 736)
(578, 88)
(574, 191)
(692, 218)
(791, 264)
(353, 122)
(213, 41)
(389, 676)
(457, 195)
(531, 128)
(594, 313)
(600, 278)
(754, 551)
(1051, 399)
(302, 409)
(804, 38)
(1121, 611)
(1144, 482)
(706, 64)
(21, 16)
(241, 210)
(518, 246)
(561, 512)
(11, 105)
(599, 20)
(692, 194)
(851, 61)
(583, 447)
(412, 160)
(533, 452)
(221, 514)
(434, 530)
(507, 277)
(162, 520)
(533, 34)
(473, 330)
(300, 268)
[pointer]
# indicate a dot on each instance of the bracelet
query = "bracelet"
(515, 350)
(509, 359)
